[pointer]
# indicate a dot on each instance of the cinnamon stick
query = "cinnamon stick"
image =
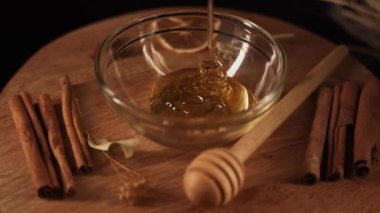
(80, 133)
(80, 162)
(46, 155)
(344, 129)
(367, 129)
(331, 137)
(56, 143)
(314, 151)
(35, 163)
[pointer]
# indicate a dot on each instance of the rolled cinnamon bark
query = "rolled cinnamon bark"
(331, 133)
(35, 163)
(343, 131)
(367, 128)
(314, 151)
(80, 133)
(46, 155)
(80, 161)
(56, 143)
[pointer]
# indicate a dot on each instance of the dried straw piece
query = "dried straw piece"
(133, 185)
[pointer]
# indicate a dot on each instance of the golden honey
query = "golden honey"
(199, 92)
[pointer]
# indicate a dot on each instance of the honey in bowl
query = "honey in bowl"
(200, 92)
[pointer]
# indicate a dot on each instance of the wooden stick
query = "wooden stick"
(56, 142)
(80, 162)
(346, 120)
(41, 139)
(314, 151)
(331, 136)
(80, 133)
(35, 163)
(367, 131)
(261, 132)
(216, 175)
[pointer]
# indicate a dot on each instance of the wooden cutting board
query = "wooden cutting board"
(273, 172)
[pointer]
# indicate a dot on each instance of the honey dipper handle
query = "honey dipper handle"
(275, 116)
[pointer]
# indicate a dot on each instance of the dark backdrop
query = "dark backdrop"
(27, 25)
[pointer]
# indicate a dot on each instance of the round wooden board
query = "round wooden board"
(273, 172)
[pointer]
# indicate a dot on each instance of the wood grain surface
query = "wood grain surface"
(274, 172)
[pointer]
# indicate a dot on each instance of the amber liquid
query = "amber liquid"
(202, 91)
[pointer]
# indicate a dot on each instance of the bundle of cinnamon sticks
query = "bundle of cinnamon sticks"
(345, 133)
(43, 143)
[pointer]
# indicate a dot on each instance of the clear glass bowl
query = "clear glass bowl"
(135, 55)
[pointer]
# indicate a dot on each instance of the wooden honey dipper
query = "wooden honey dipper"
(215, 177)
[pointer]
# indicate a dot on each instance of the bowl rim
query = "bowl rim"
(194, 122)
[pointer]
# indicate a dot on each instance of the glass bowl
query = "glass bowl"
(135, 55)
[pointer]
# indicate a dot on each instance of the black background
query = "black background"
(28, 25)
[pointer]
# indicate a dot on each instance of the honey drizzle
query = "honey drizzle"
(210, 25)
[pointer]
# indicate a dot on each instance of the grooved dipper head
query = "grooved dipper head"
(213, 178)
